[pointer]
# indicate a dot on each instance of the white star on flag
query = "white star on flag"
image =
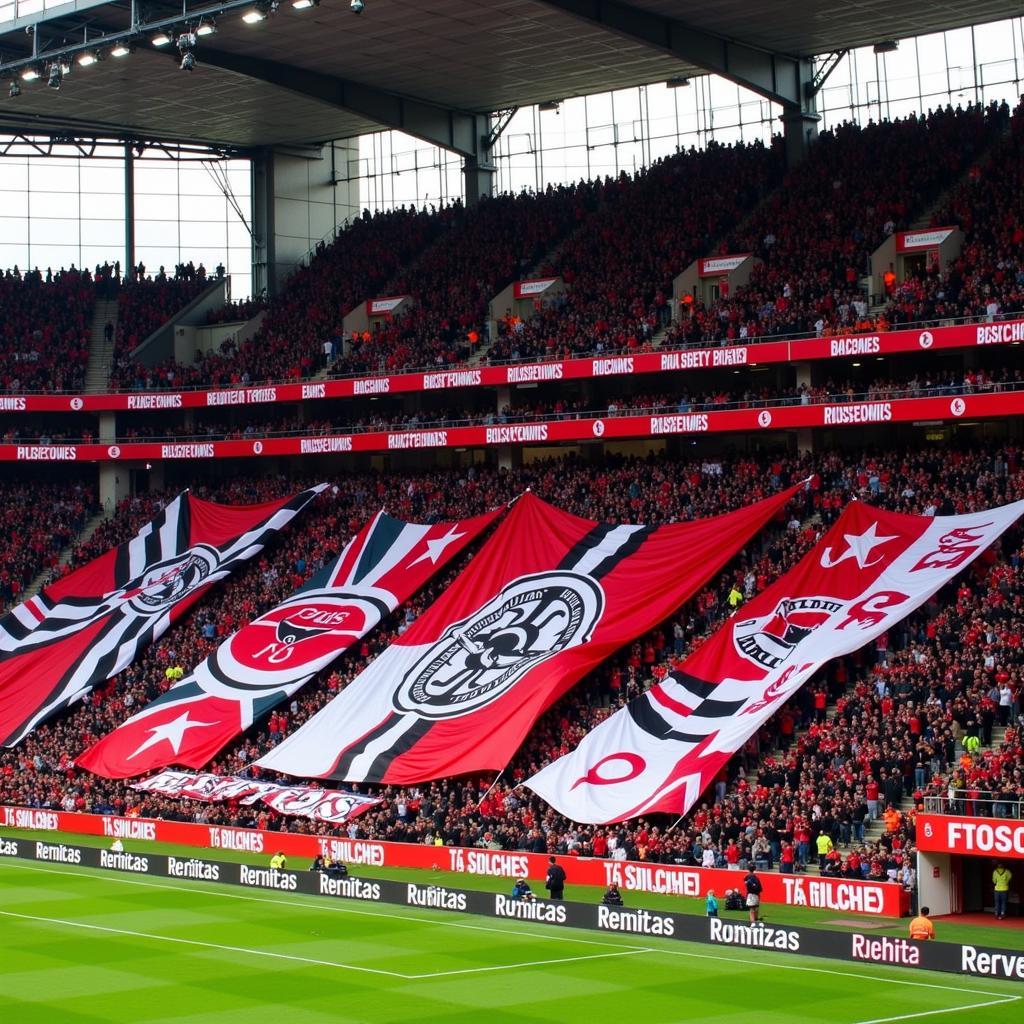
(435, 547)
(860, 547)
(173, 732)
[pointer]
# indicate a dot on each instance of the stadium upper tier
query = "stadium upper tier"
(900, 707)
(617, 246)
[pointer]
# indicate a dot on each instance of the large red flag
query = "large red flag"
(662, 750)
(90, 625)
(267, 660)
(545, 600)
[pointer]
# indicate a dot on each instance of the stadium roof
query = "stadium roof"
(306, 76)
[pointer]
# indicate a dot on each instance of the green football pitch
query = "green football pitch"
(80, 946)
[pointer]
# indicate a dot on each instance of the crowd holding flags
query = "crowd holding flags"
(547, 598)
(661, 751)
(269, 659)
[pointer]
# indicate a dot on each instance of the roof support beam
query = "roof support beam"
(456, 130)
(776, 76)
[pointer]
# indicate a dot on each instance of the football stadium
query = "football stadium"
(512, 510)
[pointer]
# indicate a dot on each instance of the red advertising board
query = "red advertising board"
(975, 837)
(752, 420)
(884, 899)
(750, 354)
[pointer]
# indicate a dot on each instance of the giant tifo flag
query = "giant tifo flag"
(661, 751)
(270, 658)
(91, 624)
(545, 600)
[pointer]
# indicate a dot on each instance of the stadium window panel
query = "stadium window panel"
(103, 205)
(102, 176)
(93, 255)
(6, 13)
(26, 7)
(14, 204)
(55, 174)
(58, 232)
(109, 233)
(154, 233)
(53, 205)
(13, 230)
(13, 175)
(203, 208)
(156, 207)
(155, 178)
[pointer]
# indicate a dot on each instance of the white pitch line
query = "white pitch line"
(531, 963)
(319, 905)
(934, 1013)
(205, 945)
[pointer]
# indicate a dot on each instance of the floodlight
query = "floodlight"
(207, 26)
(886, 46)
(121, 50)
(160, 39)
(30, 74)
(254, 16)
(87, 58)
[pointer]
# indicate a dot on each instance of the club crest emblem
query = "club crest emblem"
(770, 640)
(481, 657)
(164, 584)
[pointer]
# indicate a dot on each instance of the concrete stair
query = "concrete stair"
(101, 351)
(43, 578)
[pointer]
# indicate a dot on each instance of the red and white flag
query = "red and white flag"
(661, 751)
(269, 659)
(545, 600)
(91, 624)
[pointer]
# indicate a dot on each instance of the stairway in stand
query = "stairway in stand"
(101, 351)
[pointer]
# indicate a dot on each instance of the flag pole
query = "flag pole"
(492, 785)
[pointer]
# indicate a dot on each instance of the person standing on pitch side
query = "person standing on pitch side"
(555, 880)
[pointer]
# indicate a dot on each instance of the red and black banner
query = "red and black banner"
(87, 627)
(550, 596)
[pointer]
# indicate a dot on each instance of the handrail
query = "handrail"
(987, 804)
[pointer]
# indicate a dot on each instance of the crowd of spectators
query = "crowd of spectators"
(863, 183)
(45, 329)
(850, 744)
(618, 267)
(38, 519)
(988, 277)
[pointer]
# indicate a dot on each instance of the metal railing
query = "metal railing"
(986, 804)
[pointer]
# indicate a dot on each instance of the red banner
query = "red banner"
(546, 599)
(753, 420)
(883, 899)
(1006, 332)
(975, 837)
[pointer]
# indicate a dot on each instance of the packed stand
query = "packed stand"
(44, 330)
(619, 266)
(481, 250)
(39, 520)
(863, 184)
(851, 743)
(987, 280)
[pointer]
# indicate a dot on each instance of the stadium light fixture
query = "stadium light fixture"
(677, 83)
(304, 5)
(87, 58)
(254, 16)
(206, 27)
(886, 46)
(121, 50)
(186, 47)
(160, 39)
(549, 105)
(30, 74)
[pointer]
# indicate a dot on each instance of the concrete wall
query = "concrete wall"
(301, 196)
(161, 344)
